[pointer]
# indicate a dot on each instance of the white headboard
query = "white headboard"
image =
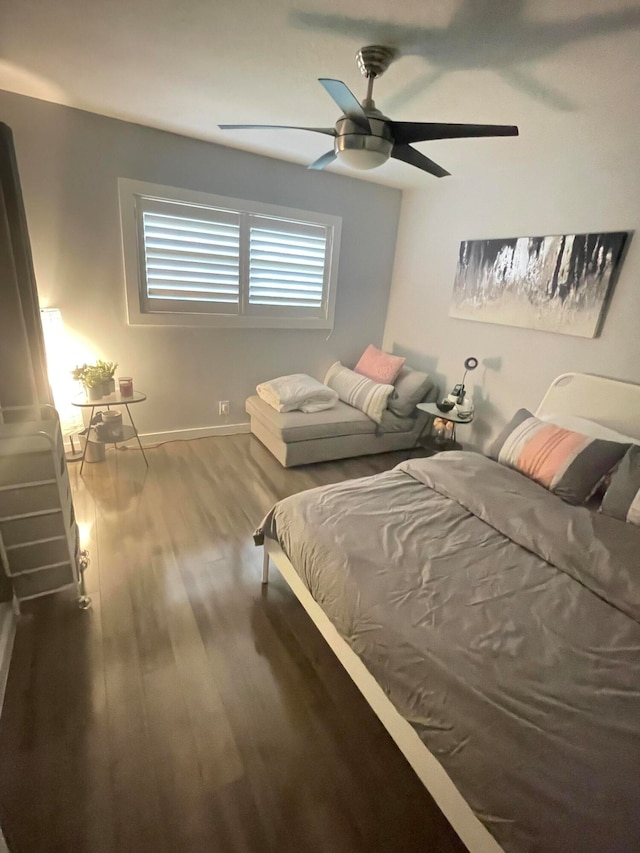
(609, 402)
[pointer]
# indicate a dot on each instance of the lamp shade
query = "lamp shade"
(59, 366)
(469, 364)
(362, 158)
(362, 151)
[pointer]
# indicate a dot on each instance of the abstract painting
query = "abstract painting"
(560, 283)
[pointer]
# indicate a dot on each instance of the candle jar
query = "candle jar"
(112, 423)
(125, 385)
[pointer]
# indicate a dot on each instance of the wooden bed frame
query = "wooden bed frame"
(609, 402)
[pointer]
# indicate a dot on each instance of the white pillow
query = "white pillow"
(587, 427)
(358, 391)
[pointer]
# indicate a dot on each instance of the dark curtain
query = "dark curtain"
(23, 371)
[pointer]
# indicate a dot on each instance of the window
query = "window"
(197, 259)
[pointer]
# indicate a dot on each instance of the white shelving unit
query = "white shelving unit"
(39, 540)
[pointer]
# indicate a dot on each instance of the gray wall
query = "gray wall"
(572, 195)
(69, 163)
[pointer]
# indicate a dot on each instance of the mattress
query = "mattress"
(503, 624)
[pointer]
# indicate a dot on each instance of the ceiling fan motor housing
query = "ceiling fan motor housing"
(360, 149)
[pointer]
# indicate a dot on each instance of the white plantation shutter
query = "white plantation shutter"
(288, 267)
(191, 257)
(197, 259)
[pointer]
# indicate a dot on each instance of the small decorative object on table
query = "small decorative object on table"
(125, 384)
(465, 409)
(97, 378)
(108, 369)
(92, 381)
(112, 428)
(442, 431)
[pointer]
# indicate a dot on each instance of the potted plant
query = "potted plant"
(78, 373)
(93, 381)
(108, 369)
(91, 377)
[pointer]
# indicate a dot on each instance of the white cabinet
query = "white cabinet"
(39, 542)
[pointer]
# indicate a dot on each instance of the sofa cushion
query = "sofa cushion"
(391, 422)
(381, 367)
(300, 426)
(409, 389)
(567, 463)
(358, 391)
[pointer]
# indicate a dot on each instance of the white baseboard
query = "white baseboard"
(7, 633)
(150, 438)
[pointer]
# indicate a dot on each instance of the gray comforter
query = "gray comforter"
(504, 625)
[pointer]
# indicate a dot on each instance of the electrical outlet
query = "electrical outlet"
(223, 407)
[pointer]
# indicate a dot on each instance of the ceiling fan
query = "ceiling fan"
(365, 138)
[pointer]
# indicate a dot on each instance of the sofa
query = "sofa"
(299, 438)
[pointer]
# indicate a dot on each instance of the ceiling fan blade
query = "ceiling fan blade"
(347, 101)
(414, 158)
(405, 132)
(330, 131)
(324, 161)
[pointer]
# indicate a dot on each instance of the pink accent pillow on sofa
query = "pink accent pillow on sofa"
(379, 366)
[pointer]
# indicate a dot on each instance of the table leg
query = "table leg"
(135, 429)
(426, 427)
(86, 444)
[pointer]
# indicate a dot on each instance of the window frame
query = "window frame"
(131, 191)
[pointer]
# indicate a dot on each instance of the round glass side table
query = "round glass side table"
(129, 431)
(452, 417)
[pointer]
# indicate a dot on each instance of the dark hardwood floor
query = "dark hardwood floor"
(191, 709)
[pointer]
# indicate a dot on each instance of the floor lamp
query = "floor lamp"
(63, 387)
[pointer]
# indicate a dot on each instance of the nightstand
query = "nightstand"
(129, 431)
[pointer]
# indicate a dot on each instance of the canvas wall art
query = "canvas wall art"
(560, 283)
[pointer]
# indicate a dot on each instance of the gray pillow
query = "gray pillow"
(622, 498)
(410, 388)
(358, 391)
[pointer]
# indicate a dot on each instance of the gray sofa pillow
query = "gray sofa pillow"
(410, 388)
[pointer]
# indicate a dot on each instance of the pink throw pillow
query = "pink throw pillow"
(379, 366)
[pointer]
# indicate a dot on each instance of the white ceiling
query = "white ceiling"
(567, 72)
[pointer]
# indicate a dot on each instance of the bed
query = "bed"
(494, 629)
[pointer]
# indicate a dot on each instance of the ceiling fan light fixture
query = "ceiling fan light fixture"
(364, 138)
(358, 151)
